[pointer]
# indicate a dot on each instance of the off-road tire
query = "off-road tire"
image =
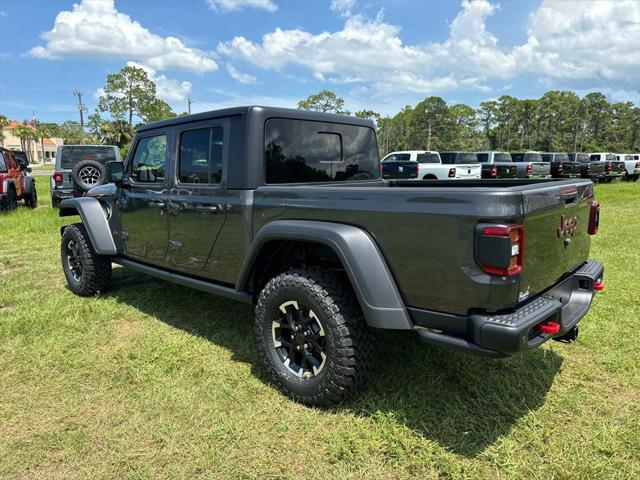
(80, 167)
(349, 341)
(95, 269)
(31, 200)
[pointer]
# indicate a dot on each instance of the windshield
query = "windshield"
(428, 158)
(72, 155)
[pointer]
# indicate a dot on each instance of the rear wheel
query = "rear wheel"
(313, 337)
(31, 200)
(87, 272)
(12, 199)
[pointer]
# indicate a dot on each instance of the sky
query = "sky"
(379, 55)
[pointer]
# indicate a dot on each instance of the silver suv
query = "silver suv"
(79, 168)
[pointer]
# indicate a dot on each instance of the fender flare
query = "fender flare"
(94, 220)
(372, 281)
(5, 185)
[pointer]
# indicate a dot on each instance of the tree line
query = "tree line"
(557, 121)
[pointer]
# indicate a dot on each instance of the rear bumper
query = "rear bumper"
(503, 334)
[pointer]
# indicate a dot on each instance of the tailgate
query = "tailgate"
(399, 170)
(507, 171)
(555, 232)
(468, 171)
(540, 168)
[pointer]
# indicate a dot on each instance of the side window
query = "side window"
(149, 160)
(200, 159)
(3, 165)
(305, 151)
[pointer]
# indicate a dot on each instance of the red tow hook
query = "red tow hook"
(549, 327)
(598, 286)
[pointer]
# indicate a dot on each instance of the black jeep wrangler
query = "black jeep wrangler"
(285, 209)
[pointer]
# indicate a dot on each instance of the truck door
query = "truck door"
(197, 207)
(142, 205)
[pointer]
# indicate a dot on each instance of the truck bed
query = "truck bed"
(426, 230)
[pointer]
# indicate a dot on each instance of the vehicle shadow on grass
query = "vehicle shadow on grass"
(463, 402)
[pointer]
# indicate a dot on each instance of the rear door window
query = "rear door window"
(70, 156)
(200, 159)
(149, 160)
(304, 151)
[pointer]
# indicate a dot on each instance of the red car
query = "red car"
(15, 183)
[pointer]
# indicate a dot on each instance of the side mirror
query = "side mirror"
(115, 172)
(28, 169)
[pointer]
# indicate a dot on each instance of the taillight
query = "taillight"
(588, 168)
(609, 166)
(381, 170)
(559, 168)
(637, 165)
(494, 171)
(529, 168)
(594, 218)
(452, 173)
(57, 177)
(501, 250)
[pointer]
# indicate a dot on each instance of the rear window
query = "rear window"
(398, 157)
(72, 155)
(458, 157)
(595, 157)
(502, 157)
(547, 157)
(526, 157)
(611, 157)
(561, 157)
(304, 151)
(428, 158)
(483, 157)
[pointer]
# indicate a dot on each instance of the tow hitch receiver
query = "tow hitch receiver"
(549, 327)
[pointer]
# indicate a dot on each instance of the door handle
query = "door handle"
(207, 209)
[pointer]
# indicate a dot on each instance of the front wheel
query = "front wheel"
(313, 337)
(86, 271)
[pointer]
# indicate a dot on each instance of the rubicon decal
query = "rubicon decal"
(568, 226)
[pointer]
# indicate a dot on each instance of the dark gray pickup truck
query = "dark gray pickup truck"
(286, 210)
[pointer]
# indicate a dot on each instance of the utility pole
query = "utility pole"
(81, 110)
(189, 101)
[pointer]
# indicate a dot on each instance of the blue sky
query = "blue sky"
(376, 54)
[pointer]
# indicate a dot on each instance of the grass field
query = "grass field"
(156, 380)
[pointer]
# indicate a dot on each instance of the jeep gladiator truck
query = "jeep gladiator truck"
(613, 169)
(530, 165)
(286, 210)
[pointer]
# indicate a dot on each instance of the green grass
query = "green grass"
(156, 380)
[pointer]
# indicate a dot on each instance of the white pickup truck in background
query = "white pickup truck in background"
(431, 167)
(631, 166)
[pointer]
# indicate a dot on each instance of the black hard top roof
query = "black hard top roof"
(265, 112)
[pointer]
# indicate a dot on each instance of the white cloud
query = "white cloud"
(94, 28)
(225, 6)
(343, 7)
(593, 42)
(241, 76)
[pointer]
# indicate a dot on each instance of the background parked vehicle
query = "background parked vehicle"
(588, 168)
(79, 168)
(530, 165)
(613, 169)
(561, 166)
(399, 165)
(497, 165)
(15, 182)
(631, 166)
(466, 164)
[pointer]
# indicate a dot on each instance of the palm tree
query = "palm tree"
(3, 123)
(43, 131)
(26, 134)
